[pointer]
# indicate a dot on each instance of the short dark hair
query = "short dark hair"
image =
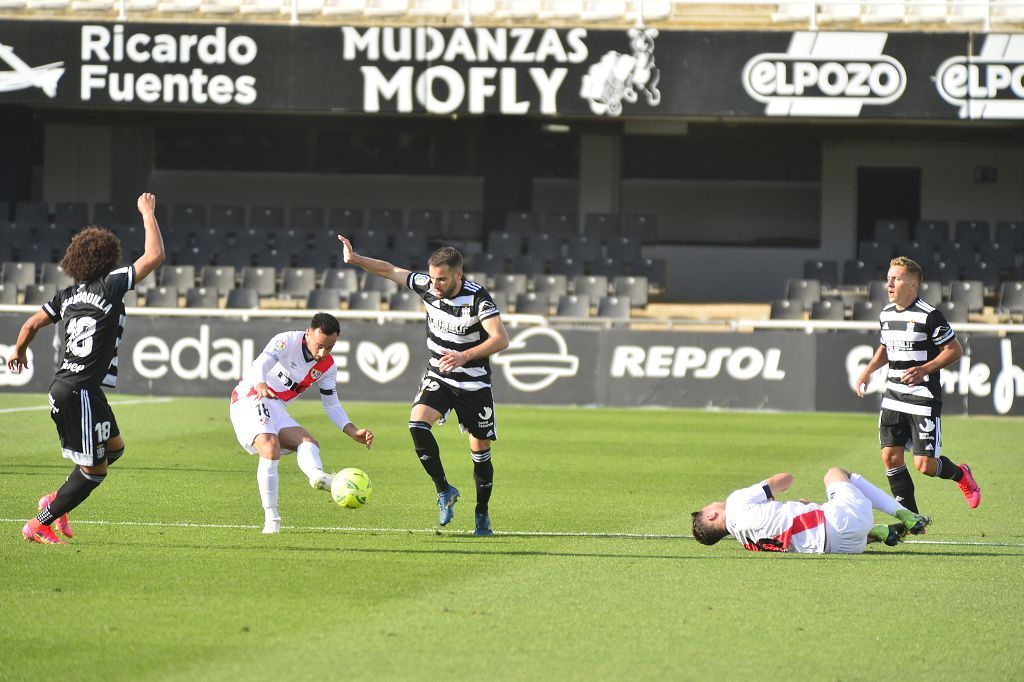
(446, 255)
(93, 253)
(326, 323)
(703, 533)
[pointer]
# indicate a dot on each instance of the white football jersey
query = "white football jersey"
(290, 369)
(762, 524)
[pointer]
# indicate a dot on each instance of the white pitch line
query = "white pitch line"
(511, 533)
(122, 402)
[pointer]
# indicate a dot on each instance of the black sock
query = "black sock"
(902, 487)
(428, 452)
(114, 455)
(71, 494)
(945, 468)
(483, 474)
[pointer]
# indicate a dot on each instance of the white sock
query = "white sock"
(308, 457)
(266, 480)
(880, 499)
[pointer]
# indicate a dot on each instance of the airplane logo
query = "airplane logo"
(23, 76)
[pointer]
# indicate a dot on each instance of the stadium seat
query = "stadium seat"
(427, 222)
(572, 305)
(381, 285)
(162, 297)
(930, 292)
(954, 255)
(583, 249)
(296, 283)
(552, 286)
(601, 226)
(824, 271)
(370, 242)
(243, 297)
(8, 294)
(632, 287)
(532, 304)
(31, 214)
(969, 294)
(465, 225)
(783, 309)
(71, 215)
(878, 292)
(269, 219)
(921, 254)
(972, 234)
(187, 218)
(364, 300)
(624, 249)
(608, 267)
(20, 274)
(229, 218)
(500, 301)
(568, 266)
(389, 220)
(259, 279)
(405, 301)
(131, 299)
(981, 271)
(655, 271)
(543, 246)
(562, 225)
(593, 286)
(220, 278)
(323, 299)
(525, 264)
(342, 280)
(480, 278)
(954, 312)
(489, 263)
(1011, 232)
(505, 244)
(38, 294)
(803, 291)
(613, 307)
(202, 297)
(412, 243)
(641, 226)
(180, 277)
(893, 231)
(875, 254)
(309, 219)
(1000, 256)
(522, 222)
(512, 284)
(828, 310)
(866, 311)
(345, 220)
(933, 233)
(1011, 299)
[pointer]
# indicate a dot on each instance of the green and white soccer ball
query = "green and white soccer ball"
(351, 488)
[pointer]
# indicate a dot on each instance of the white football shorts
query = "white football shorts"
(252, 416)
(848, 518)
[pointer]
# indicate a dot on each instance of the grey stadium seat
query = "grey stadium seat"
(72, 215)
(306, 218)
(523, 264)
(131, 299)
(345, 220)
(613, 307)
(594, 286)
(633, 288)
(466, 226)
(323, 299)
(1011, 233)
(803, 291)
(608, 267)
(878, 292)
(364, 300)
(858, 273)
(1011, 299)
(19, 273)
(522, 222)
(229, 218)
(930, 292)
(568, 266)
(505, 244)
(562, 225)
(625, 249)
(406, 301)
(162, 297)
(891, 231)
(601, 226)
(297, 282)
(512, 284)
(825, 271)
(828, 310)
(386, 219)
(180, 277)
(344, 280)
(954, 312)
(583, 249)
(187, 217)
(8, 294)
(54, 274)
(427, 222)
(968, 294)
(202, 297)
(875, 254)
(243, 297)
(784, 309)
(573, 305)
(553, 286)
(219, 277)
(32, 213)
(543, 246)
(983, 272)
(972, 233)
(38, 294)
(866, 311)
(489, 263)
(642, 227)
(381, 285)
(261, 280)
(532, 304)
(933, 232)
(267, 218)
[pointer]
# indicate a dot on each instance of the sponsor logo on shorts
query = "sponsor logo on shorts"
(926, 425)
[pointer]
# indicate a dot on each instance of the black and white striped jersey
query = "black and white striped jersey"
(93, 315)
(453, 325)
(912, 337)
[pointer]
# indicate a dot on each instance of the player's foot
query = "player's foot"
(62, 523)
(38, 532)
(915, 523)
(322, 482)
(272, 526)
(483, 525)
(970, 489)
(446, 505)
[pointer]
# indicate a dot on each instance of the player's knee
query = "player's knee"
(114, 455)
(892, 458)
(835, 474)
(310, 440)
(922, 464)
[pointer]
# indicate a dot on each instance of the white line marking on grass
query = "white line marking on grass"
(122, 402)
(509, 533)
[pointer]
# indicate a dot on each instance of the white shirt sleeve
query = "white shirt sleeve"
(328, 384)
(267, 359)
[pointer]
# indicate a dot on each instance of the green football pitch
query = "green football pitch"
(592, 572)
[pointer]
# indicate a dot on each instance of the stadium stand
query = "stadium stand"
(614, 307)
(38, 294)
(345, 281)
(243, 297)
(161, 297)
(405, 301)
(1011, 299)
(324, 299)
(8, 294)
(365, 300)
(532, 304)
(593, 286)
(552, 286)
(573, 305)
(968, 294)
(373, 284)
(866, 311)
(633, 288)
(180, 277)
(220, 278)
(260, 280)
(52, 273)
(828, 310)
(803, 292)
(824, 271)
(18, 274)
(784, 309)
(296, 283)
(202, 297)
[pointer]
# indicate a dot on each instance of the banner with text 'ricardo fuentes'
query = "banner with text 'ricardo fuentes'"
(514, 71)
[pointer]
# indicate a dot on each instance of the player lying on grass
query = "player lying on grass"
(843, 525)
(291, 363)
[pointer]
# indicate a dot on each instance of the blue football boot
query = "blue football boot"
(446, 505)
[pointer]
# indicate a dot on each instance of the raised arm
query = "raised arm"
(153, 256)
(381, 268)
(779, 483)
(19, 360)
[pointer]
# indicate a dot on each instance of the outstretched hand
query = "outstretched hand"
(347, 252)
(363, 436)
(18, 362)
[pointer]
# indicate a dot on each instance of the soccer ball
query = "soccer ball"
(351, 488)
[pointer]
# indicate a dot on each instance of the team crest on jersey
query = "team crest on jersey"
(421, 280)
(466, 311)
(910, 326)
(316, 374)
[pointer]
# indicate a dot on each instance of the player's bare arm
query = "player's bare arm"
(948, 354)
(779, 483)
(153, 256)
(361, 436)
(881, 358)
(381, 268)
(264, 391)
(497, 341)
(19, 360)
